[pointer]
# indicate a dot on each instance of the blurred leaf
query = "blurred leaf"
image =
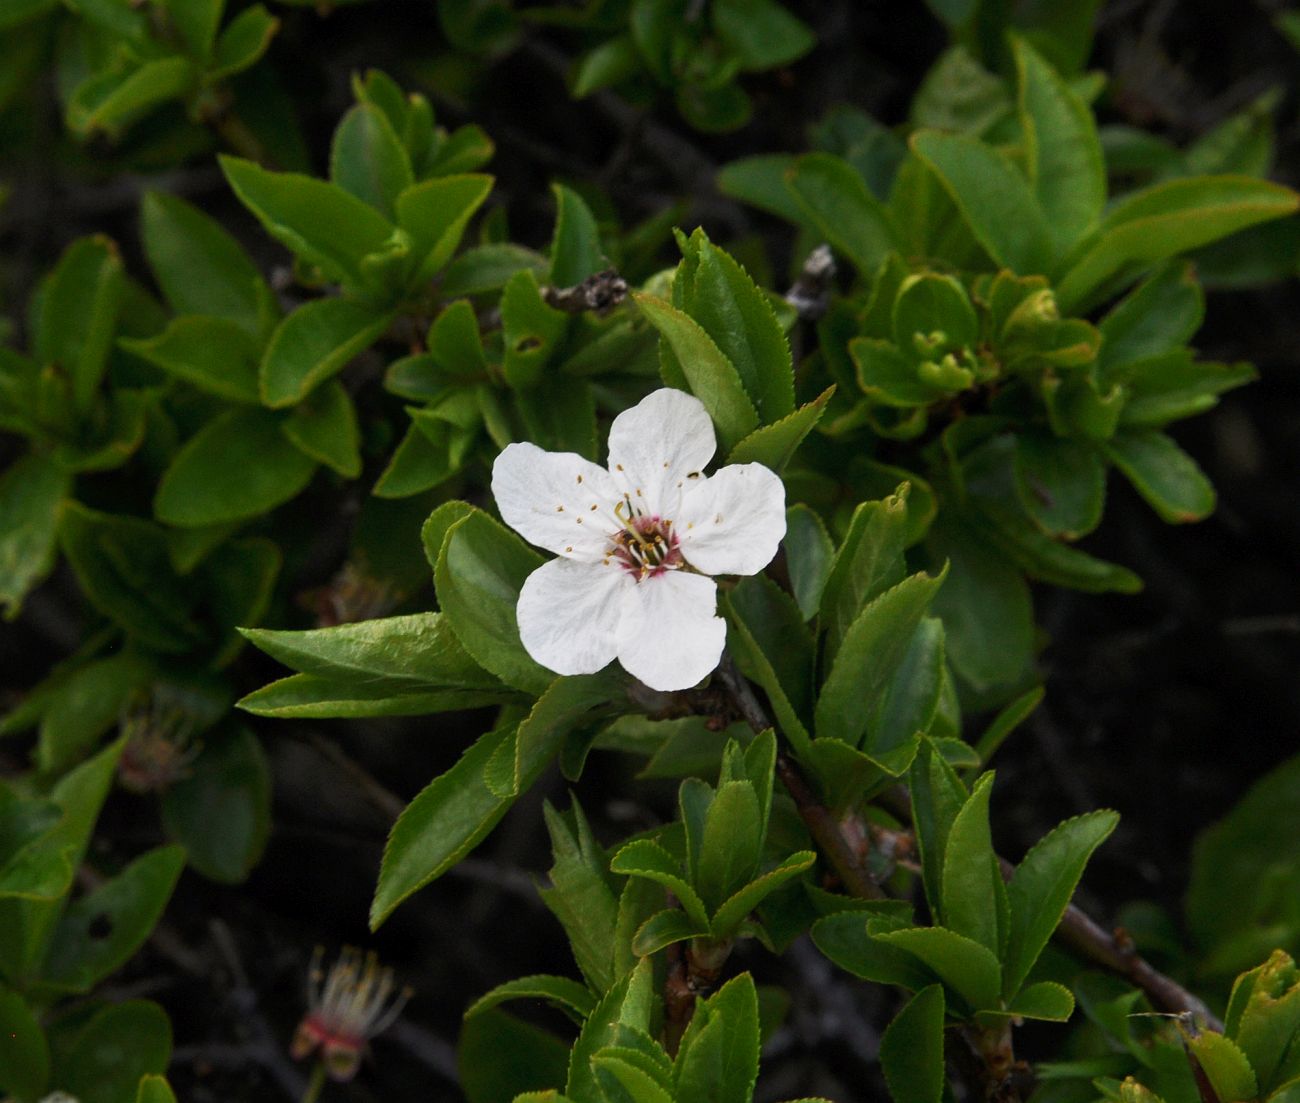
(435, 214)
(575, 246)
(838, 203)
(243, 42)
(24, 1052)
(368, 160)
(314, 343)
(32, 493)
(103, 1059)
(238, 465)
(1166, 476)
(1162, 221)
(994, 199)
(199, 267)
(489, 267)
(324, 427)
(216, 355)
(499, 1057)
(78, 314)
(104, 928)
(1061, 483)
(124, 569)
(761, 33)
(113, 99)
(808, 555)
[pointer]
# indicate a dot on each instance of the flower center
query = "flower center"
(646, 546)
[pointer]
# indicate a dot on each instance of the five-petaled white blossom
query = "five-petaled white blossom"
(637, 543)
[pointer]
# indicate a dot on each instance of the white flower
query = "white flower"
(636, 543)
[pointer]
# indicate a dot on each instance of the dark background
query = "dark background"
(1165, 706)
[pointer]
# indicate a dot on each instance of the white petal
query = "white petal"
(556, 500)
(733, 521)
(569, 614)
(669, 635)
(656, 444)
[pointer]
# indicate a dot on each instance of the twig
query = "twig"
(810, 293)
(598, 293)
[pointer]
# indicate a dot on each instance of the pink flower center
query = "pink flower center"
(646, 547)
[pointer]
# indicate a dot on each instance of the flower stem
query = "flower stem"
(316, 1084)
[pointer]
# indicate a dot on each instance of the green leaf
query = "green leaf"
(446, 820)
(154, 1089)
(760, 182)
(1062, 151)
(1006, 721)
(761, 33)
(718, 1058)
(489, 267)
(561, 992)
(313, 696)
(836, 200)
(908, 704)
(1165, 220)
(985, 608)
(243, 42)
(100, 931)
(221, 812)
(1166, 476)
(581, 895)
(773, 646)
(435, 213)
(90, 702)
(869, 561)
(112, 99)
(1158, 316)
(646, 858)
(563, 707)
(1061, 483)
(324, 428)
(102, 1060)
(874, 645)
(77, 315)
(964, 965)
(731, 843)
(481, 568)
(711, 376)
(937, 796)
(844, 939)
(318, 221)
(995, 200)
(368, 160)
(1042, 886)
(1263, 1017)
(216, 355)
(124, 569)
(774, 445)
(32, 493)
(733, 911)
(720, 295)
(575, 246)
(808, 554)
(238, 465)
(314, 343)
(200, 268)
(196, 22)
(665, 928)
(911, 1049)
(530, 330)
(24, 1052)
(971, 879)
(534, 1059)
(1225, 1066)
(1046, 1000)
(612, 61)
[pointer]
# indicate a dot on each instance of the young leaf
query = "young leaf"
(435, 213)
(1042, 886)
(238, 465)
(736, 908)
(665, 928)
(646, 858)
(774, 445)
(1225, 1066)
(730, 844)
(718, 1058)
(911, 1049)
